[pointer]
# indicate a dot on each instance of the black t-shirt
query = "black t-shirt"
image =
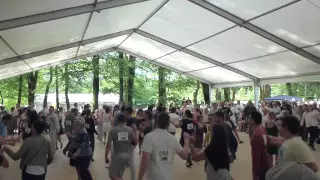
(187, 126)
(233, 142)
(226, 110)
(131, 121)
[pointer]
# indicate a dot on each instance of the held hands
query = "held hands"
(189, 138)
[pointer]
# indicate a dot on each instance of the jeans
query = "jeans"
(83, 168)
(92, 142)
(132, 165)
(26, 176)
(65, 149)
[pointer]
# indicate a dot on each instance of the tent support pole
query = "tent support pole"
(256, 88)
(210, 94)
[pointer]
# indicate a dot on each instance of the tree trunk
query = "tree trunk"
(131, 79)
(57, 86)
(218, 94)
(45, 99)
(95, 81)
(121, 76)
(226, 93)
(66, 83)
(1, 97)
(32, 85)
(161, 85)
(206, 93)
(289, 89)
(265, 91)
(20, 89)
(195, 94)
(233, 91)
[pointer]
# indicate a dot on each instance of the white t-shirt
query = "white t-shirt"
(295, 150)
(311, 118)
(174, 119)
(162, 147)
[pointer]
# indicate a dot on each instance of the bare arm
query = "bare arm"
(144, 164)
(197, 154)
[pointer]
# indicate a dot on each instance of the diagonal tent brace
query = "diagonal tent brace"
(63, 47)
(43, 17)
(192, 53)
(161, 65)
(255, 29)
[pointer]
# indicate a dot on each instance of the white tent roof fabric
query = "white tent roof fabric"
(224, 43)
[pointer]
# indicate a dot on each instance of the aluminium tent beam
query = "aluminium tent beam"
(255, 29)
(63, 47)
(54, 64)
(48, 16)
(197, 55)
(161, 65)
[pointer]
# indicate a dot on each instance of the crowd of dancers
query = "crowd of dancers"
(277, 133)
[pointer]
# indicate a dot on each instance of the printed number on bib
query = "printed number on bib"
(68, 122)
(164, 156)
(189, 126)
(24, 125)
(123, 136)
(27, 130)
(86, 125)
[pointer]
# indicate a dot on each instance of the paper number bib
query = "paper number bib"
(24, 125)
(189, 126)
(86, 125)
(123, 136)
(68, 122)
(163, 156)
(27, 130)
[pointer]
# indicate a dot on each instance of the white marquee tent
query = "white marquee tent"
(223, 43)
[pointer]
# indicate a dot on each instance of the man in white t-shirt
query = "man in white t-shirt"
(293, 149)
(159, 149)
(174, 121)
(311, 118)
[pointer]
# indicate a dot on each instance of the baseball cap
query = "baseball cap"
(292, 171)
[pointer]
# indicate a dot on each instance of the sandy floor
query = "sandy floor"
(60, 169)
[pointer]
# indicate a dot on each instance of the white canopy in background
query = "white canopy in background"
(224, 43)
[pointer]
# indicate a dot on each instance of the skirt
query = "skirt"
(106, 127)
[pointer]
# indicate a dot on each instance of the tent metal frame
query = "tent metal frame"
(98, 6)
(63, 13)
(255, 29)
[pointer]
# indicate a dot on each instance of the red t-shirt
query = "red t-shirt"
(260, 160)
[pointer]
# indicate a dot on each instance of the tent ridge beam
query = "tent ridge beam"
(192, 53)
(63, 13)
(255, 29)
(63, 47)
(161, 65)
(146, 19)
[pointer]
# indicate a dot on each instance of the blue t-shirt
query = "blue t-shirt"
(2, 129)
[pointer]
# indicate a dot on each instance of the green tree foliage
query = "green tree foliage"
(140, 83)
